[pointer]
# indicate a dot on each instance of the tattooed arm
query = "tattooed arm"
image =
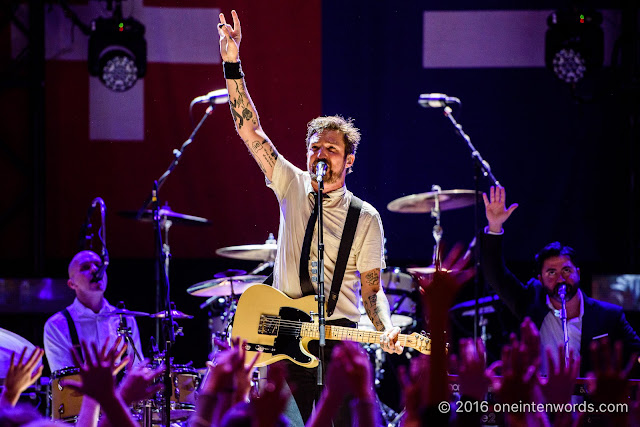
(377, 307)
(243, 111)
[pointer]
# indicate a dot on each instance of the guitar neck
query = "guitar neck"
(343, 333)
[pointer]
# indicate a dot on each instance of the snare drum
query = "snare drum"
(65, 403)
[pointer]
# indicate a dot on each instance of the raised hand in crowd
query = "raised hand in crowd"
(226, 382)
(559, 384)
(609, 381)
(438, 292)
(518, 384)
(22, 373)
(473, 379)
(138, 384)
(415, 389)
(349, 375)
(495, 208)
(266, 407)
(97, 380)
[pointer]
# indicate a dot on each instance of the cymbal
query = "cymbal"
(261, 252)
(174, 313)
(125, 312)
(425, 202)
(225, 286)
(485, 304)
(229, 273)
(422, 270)
(166, 214)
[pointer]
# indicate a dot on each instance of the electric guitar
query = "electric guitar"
(281, 328)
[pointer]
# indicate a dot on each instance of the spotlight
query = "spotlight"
(117, 52)
(574, 44)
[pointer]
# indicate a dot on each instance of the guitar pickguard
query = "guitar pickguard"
(289, 343)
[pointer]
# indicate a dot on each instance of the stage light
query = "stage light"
(574, 44)
(117, 52)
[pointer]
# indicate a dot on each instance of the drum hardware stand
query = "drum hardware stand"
(437, 228)
(124, 330)
(162, 260)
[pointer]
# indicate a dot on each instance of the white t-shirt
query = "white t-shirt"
(293, 189)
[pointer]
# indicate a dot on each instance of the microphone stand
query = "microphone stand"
(321, 296)
(162, 276)
(481, 167)
(565, 327)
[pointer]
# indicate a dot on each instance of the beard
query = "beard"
(330, 175)
(572, 291)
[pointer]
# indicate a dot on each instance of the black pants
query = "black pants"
(303, 381)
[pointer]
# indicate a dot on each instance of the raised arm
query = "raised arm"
(243, 111)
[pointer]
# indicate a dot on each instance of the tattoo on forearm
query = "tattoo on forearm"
(373, 311)
(373, 278)
(239, 107)
(264, 152)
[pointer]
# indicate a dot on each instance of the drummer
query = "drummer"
(87, 318)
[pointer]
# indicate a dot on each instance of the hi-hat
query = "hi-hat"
(124, 312)
(425, 202)
(225, 286)
(262, 252)
(166, 213)
(174, 313)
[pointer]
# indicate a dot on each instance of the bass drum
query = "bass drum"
(65, 403)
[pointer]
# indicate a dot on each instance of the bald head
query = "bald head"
(79, 258)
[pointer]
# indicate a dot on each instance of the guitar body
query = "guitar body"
(281, 328)
(260, 300)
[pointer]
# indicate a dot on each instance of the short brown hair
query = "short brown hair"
(339, 123)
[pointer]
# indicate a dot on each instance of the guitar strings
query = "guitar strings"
(294, 327)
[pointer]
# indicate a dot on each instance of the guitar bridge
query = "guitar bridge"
(268, 325)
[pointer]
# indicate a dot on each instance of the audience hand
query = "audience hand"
(559, 384)
(21, 375)
(138, 384)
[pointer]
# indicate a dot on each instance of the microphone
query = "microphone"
(220, 96)
(437, 100)
(321, 170)
(97, 276)
(562, 291)
(104, 254)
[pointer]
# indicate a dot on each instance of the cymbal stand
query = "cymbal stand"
(437, 229)
(268, 263)
(124, 330)
(163, 279)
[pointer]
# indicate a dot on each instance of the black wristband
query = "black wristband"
(232, 70)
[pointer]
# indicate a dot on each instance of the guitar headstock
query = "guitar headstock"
(420, 342)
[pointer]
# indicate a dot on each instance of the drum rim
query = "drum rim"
(64, 372)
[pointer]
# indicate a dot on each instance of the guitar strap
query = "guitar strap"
(348, 233)
(75, 342)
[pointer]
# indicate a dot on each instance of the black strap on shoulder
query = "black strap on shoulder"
(305, 280)
(75, 342)
(348, 233)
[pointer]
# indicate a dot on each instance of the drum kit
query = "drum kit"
(224, 290)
